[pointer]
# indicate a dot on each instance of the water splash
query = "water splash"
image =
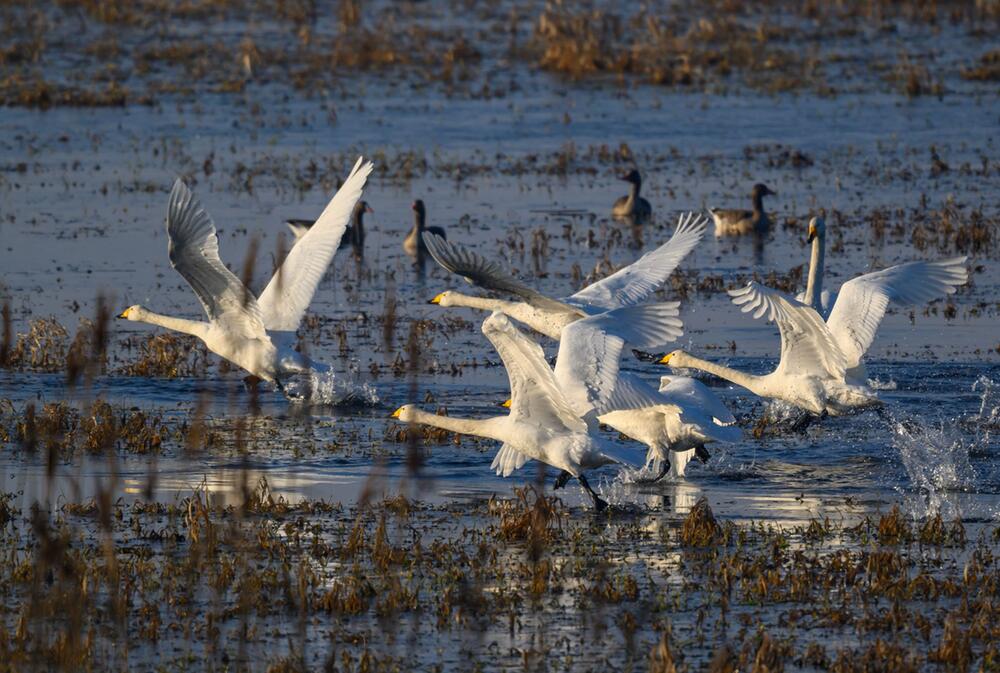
(877, 384)
(988, 418)
(331, 389)
(936, 455)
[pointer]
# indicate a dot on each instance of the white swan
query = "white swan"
(676, 429)
(821, 367)
(629, 286)
(542, 423)
(910, 283)
(672, 422)
(256, 334)
(675, 423)
(811, 373)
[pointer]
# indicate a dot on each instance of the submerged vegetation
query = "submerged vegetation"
(268, 584)
(142, 52)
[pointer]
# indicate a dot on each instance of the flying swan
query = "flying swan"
(542, 424)
(628, 286)
(821, 368)
(256, 334)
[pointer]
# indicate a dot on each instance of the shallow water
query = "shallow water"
(82, 200)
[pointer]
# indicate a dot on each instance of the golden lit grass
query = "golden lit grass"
(197, 571)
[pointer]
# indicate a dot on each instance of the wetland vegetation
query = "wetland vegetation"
(159, 515)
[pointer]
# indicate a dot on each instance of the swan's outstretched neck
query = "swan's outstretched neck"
(480, 303)
(814, 285)
(193, 327)
(485, 427)
(748, 381)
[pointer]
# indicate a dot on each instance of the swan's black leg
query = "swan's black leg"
(561, 480)
(599, 504)
(664, 468)
(702, 454)
(277, 382)
(251, 381)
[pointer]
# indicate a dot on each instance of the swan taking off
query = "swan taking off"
(821, 367)
(542, 423)
(628, 286)
(256, 334)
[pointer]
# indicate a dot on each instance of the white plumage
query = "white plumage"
(628, 286)
(256, 334)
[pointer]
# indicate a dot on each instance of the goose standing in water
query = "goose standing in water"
(742, 222)
(633, 205)
(542, 424)
(354, 235)
(822, 363)
(255, 334)
(414, 242)
(629, 286)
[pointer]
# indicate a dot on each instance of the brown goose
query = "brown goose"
(414, 242)
(354, 235)
(742, 222)
(632, 206)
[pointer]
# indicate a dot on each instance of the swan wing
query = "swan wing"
(507, 460)
(631, 392)
(862, 301)
(194, 253)
(486, 273)
(587, 366)
(287, 296)
(694, 393)
(590, 349)
(807, 347)
(634, 283)
(645, 326)
(535, 395)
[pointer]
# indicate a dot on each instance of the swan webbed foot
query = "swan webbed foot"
(702, 454)
(561, 480)
(599, 504)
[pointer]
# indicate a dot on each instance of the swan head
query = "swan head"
(133, 313)
(675, 359)
(418, 209)
(406, 413)
(817, 229)
(445, 299)
(760, 189)
(632, 176)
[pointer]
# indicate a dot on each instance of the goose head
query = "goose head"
(133, 313)
(632, 176)
(761, 190)
(406, 413)
(817, 229)
(419, 212)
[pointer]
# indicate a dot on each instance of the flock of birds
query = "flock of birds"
(556, 413)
